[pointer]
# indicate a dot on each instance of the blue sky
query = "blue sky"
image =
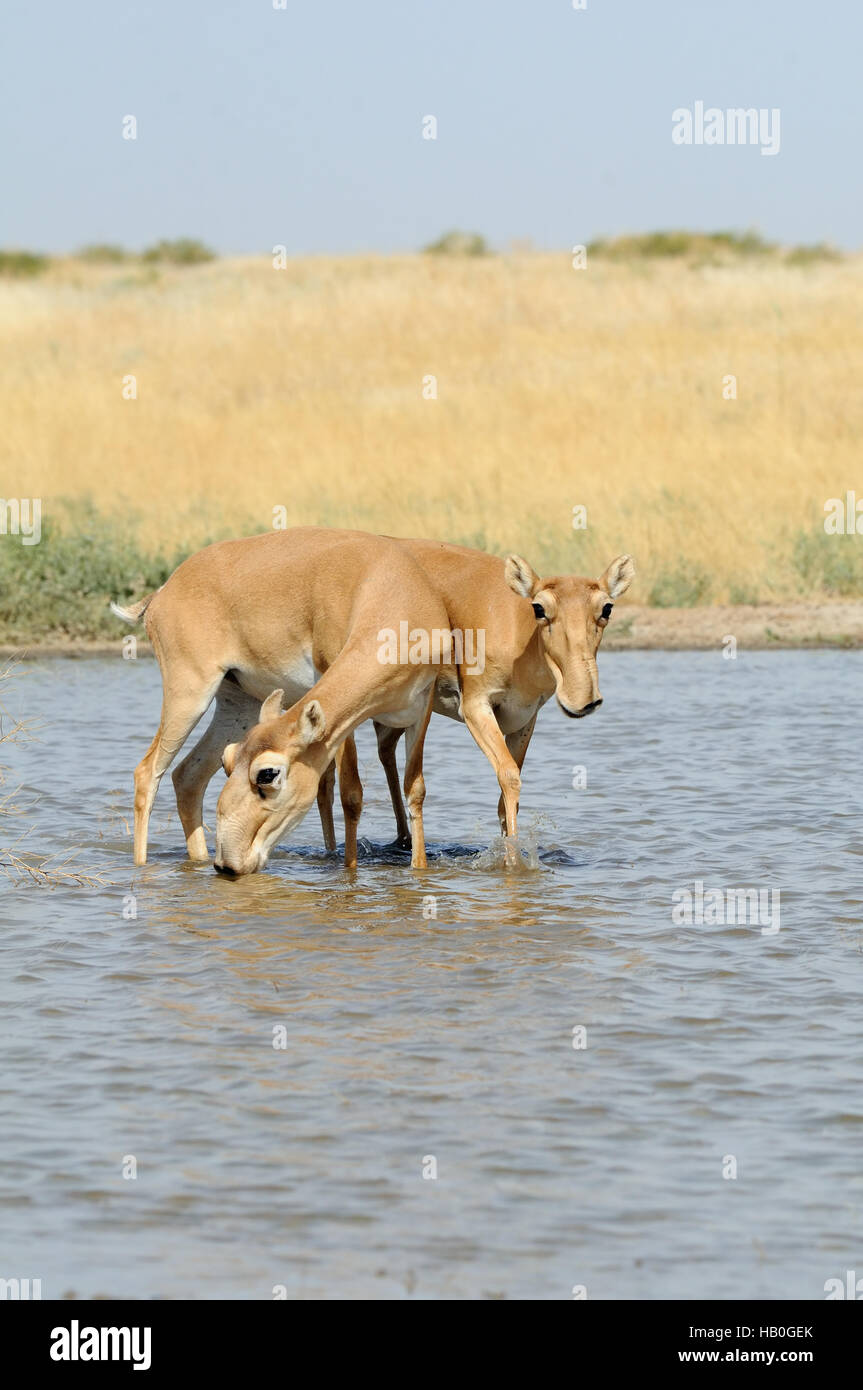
(303, 126)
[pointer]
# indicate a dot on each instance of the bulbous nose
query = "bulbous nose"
(589, 708)
(585, 709)
(225, 870)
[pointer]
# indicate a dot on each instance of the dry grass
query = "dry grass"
(303, 387)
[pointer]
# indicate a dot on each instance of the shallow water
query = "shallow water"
(410, 1037)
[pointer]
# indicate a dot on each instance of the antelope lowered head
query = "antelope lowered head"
(571, 615)
(272, 781)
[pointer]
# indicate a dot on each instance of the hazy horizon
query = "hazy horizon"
(259, 126)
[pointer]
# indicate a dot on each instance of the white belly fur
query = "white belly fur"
(411, 713)
(296, 680)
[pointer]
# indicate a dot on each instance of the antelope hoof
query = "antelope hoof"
(511, 858)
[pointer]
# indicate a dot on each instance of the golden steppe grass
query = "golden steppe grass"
(303, 387)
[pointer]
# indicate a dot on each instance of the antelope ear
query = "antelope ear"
(272, 707)
(521, 577)
(618, 576)
(311, 725)
(229, 757)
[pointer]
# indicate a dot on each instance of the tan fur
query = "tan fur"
(291, 610)
(287, 604)
(526, 660)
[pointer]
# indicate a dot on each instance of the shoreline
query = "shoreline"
(635, 627)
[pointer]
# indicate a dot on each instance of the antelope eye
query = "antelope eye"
(269, 779)
(538, 611)
(606, 611)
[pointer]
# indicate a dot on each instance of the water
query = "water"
(412, 1037)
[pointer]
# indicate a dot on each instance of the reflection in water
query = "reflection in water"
(282, 1054)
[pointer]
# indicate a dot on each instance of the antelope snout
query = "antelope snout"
(235, 868)
(585, 709)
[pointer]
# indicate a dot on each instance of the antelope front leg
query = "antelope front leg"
(351, 794)
(415, 787)
(517, 744)
(180, 713)
(487, 735)
(326, 792)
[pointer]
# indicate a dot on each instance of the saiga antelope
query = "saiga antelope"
(541, 638)
(269, 618)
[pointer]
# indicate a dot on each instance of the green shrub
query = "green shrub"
(183, 251)
(749, 243)
(22, 263)
(680, 588)
(829, 564)
(810, 255)
(705, 247)
(459, 244)
(742, 596)
(62, 586)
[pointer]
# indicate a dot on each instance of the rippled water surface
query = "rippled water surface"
(411, 1037)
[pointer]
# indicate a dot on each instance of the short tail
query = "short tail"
(135, 611)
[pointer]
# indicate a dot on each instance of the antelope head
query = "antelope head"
(273, 778)
(571, 615)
